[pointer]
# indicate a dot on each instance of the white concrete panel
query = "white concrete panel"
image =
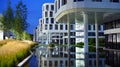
(111, 31)
(79, 26)
(118, 37)
(1, 35)
(80, 63)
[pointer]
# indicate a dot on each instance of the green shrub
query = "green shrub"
(80, 44)
(51, 45)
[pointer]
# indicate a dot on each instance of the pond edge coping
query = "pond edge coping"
(24, 61)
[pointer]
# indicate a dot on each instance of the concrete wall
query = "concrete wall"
(1, 35)
(112, 31)
(1, 32)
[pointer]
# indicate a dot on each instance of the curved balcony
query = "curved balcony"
(112, 31)
(86, 5)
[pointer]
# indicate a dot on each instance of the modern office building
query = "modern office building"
(57, 32)
(49, 31)
(84, 13)
(112, 35)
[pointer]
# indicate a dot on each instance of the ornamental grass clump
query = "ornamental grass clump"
(3, 42)
(12, 52)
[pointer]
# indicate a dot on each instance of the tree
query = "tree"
(26, 36)
(7, 20)
(20, 23)
(1, 26)
(92, 44)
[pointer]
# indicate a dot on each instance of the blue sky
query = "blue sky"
(34, 10)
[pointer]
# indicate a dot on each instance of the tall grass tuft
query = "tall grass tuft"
(13, 51)
(3, 42)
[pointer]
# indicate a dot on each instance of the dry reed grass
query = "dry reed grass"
(13, 51)
(3, 42)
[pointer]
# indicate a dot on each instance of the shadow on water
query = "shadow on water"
(32, 62)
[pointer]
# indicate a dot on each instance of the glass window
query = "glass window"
(41, 21)
(45, 63)
(118, 38)
(56, 27)
(97, 0)
(50, 63)
(103, 27)
(91, 33)
(109, 25)
(89, 27)
(66, 63)
(71, 27)
(74, 0)
(51, 14)
(114, 38)
(52, 20)
(51, 26)
(61, 63)
(99, 27)
(118, 24)
(64, 2)
(45, 27)
(72, 63)
(47, 20)
(52, 7)
(109, 38)
(65, 34)
(93, 27)
(46, 14)
(56, 63)
(58, 4)
(95, 62)
(90, 62)
(65, 27)
(113, 24)
(61, 27)
(47, 7)
(101, 34)
(78, 0)
(72, 33)
(114, 0)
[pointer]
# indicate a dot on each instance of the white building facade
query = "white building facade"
(49, 31)
(84, 13)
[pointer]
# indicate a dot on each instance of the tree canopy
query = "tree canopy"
(14, 21)
(20, 23)
(7, 20)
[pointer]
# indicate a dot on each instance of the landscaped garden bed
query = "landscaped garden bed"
(14, 51)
